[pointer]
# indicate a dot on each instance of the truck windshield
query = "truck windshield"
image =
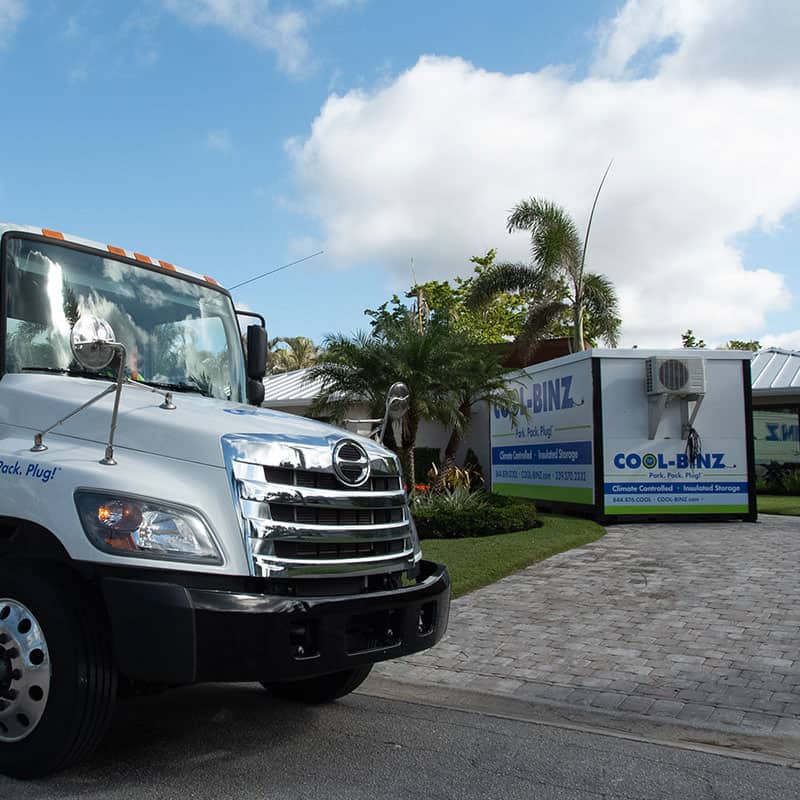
(177, 334)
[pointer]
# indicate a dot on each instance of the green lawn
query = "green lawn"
(476, 562)
(779, 504)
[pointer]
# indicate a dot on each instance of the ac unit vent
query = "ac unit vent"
(675, 376)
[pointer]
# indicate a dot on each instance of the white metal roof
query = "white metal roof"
(775, 372)
(295, 389)
(291, 388)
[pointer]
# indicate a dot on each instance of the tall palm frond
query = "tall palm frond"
(501, 278)
(299, 352)
(559, 252)
(601, 304)
(555, 239)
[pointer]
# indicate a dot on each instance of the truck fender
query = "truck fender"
(24, 539)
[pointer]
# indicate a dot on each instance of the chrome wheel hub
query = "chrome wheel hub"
(24, 671)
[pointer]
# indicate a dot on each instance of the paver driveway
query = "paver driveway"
(698, 623)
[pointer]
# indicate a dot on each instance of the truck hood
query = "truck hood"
(191, 432)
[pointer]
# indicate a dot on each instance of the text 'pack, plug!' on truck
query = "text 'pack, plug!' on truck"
(157, 528)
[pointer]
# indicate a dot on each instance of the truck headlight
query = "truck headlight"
(133, 526)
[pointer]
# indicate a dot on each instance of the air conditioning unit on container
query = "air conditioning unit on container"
(681, 377)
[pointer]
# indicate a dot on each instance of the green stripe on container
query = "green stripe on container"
(561, 494)
(613, 510)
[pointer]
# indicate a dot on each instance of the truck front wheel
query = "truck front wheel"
(323, 689)
(58, 682)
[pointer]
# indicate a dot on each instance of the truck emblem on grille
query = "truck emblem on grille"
(351, 463)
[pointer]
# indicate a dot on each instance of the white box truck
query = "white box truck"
(157, 526)
(626, 435)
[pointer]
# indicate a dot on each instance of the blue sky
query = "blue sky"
(185, 129)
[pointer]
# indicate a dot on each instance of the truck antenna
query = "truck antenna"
(277, 269)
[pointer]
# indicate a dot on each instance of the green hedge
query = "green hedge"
(501, 515)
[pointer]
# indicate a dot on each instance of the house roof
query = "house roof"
(775, 371)
(291, 388)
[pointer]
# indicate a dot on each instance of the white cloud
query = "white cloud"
(789, 340)
(302, 246)
(219, 140)
(12, 12)
(429, 166)
(743, 40)
(282, 32)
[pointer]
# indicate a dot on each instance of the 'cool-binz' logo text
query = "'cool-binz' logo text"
(550, 395)
(660, 461)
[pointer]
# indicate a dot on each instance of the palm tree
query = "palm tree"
(556, 281)
(600, 309)
(440, 368)
(299, 352)
(479, 376)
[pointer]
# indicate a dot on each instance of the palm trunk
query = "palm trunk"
(410, 427)
(453, 443)
(449, 460)
(577, 325)
(450, 450)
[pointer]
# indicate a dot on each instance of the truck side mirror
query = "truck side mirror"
(397, 403)
(255, 392)
(256, 352)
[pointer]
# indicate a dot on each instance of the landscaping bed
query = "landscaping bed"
(453, 515)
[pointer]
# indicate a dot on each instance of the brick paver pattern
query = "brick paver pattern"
(696, 623)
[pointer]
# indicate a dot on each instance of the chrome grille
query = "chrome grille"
(313, 515)
(299, 519)
(338, 549)
(327, 480)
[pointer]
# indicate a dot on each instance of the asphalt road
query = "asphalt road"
(236, 742)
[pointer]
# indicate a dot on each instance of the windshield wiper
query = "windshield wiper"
(171, 387)
(85, 373)
(80, 373)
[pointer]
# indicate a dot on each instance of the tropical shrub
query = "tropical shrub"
(457, 513)
(774, 476)
(453, 477)
(455, 498)
(779, 479)
(791, 483)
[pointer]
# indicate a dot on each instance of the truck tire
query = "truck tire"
(324, 689)
(58, 682)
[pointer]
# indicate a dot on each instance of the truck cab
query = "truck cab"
(157, 526)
